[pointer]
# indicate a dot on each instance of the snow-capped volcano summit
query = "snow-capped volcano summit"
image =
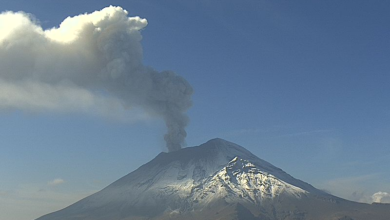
(242, 181)
(216, 180)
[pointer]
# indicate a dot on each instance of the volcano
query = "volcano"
(216, 180)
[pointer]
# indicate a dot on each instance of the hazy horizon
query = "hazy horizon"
(303, 85)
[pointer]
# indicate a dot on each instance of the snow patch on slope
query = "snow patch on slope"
(241, 180)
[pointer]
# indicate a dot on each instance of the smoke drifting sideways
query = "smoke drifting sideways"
(91, 63)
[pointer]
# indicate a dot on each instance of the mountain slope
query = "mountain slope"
(216, 180)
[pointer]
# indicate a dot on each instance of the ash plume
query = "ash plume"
(91, 63)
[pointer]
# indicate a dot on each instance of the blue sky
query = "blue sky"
(301, 84)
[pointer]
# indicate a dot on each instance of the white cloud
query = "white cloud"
(56, 182)
(351, 188)
(358, 188)
(38, 96)
(64, 69)
(381, 197)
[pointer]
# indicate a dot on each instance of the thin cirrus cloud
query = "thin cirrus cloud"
(56, 182)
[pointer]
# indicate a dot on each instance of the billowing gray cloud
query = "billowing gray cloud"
(91, 63)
